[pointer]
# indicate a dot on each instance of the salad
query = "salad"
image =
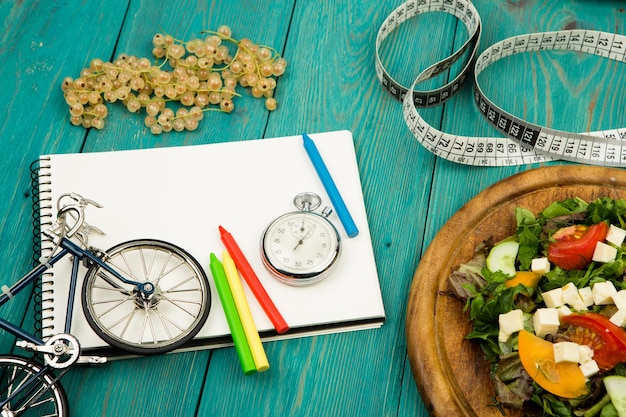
(548, 308)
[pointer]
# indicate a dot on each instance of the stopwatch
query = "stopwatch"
(301, 247)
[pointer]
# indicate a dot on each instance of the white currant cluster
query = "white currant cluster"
(196, 76)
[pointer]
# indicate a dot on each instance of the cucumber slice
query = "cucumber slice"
(616, 388)
(502, 257)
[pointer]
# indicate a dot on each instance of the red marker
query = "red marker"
(251, 278)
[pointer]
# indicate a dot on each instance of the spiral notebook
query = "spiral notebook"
(182, 194)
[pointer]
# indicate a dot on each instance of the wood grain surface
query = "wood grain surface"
(449, 370)
(330, 84)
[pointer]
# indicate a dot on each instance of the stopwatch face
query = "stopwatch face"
(300, 248)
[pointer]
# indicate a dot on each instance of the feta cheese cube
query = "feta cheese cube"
(619, 299)
(540, 266)
(546, 321)
(553, 298)
(604, 253)
(572, 298)
(615, 235)
(619, 318)
(566, 352)
(564, 311)
(589, 368)
(509, 323)
(603, 292)
(586, 295)
(585, 353)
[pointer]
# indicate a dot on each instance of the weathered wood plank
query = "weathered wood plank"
(562, 90)
(38, 51)
(330, 84)
(182, 376)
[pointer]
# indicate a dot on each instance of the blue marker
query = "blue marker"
(329, 185)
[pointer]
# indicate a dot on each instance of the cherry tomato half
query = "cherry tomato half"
(573, 246)
(607, 340)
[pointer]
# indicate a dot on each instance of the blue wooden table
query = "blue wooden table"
(330, 84)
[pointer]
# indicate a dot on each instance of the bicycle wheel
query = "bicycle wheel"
(172, 315)
(26, 390)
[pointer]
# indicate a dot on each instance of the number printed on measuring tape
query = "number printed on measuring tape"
(524, 142)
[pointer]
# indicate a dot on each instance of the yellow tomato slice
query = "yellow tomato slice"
(564, 379)
(528, 278)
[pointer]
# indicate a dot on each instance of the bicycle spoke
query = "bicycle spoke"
(175, 303)
(31, 390)
(129, 316)
(113, 284)
(181, 283)
(148, 271)
(162, 273)
(129, 269)
(163, 320)
(160, 320)
(36, 395)
(118, 303)
(10, 383)
(147, 321)
(173, 323)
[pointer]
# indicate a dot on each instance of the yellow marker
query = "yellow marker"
(249, 328)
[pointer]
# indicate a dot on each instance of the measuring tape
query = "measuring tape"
(525, 142)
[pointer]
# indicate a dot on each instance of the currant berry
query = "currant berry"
(270, 103)
(264, 54)
(67, 83)
(194, 82)
(152, 108)
(256, 92)
(213, 40)
(94, 97)
(187, 74)
(196, 113)
(100, 110)
(278, 69)
(137, 83)
(266, 69)
(77, 109)
(158, 39)
(188, 98)
(76, 120)
(224, 31)
(71, 97)
(156, 129)
(110, 97)
(158, 52)
(133, 105)
(96, 64)
(191, 123)
(201, 100)
(178, 124)
(226, 105)
(150, 120)
(214, 98)
(97, 123)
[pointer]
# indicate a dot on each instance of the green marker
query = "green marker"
(232, 316)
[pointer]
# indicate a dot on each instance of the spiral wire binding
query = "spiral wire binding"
(42, 217)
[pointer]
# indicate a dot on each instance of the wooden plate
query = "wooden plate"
(450, 372)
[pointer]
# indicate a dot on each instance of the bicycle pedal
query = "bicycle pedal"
(26, 345)
(92, 360)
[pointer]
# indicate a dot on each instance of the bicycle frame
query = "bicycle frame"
(67, 248)
(34, 380)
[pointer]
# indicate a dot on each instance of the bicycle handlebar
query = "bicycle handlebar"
(77, 205)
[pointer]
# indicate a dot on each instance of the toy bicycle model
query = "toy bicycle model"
(143, 297)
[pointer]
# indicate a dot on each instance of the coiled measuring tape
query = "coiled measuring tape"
(525, 142)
